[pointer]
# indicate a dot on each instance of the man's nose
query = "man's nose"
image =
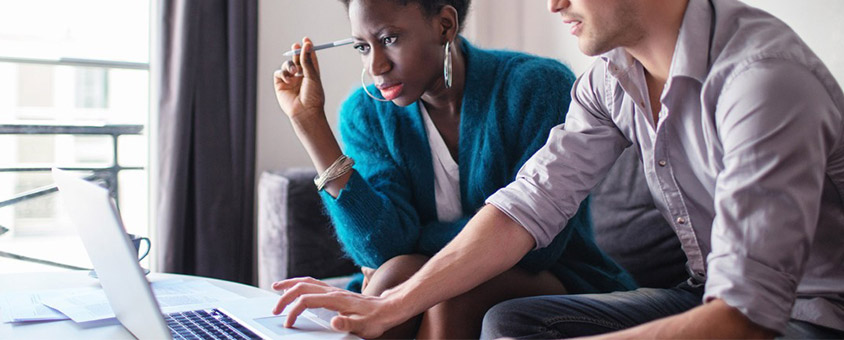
(555, 6)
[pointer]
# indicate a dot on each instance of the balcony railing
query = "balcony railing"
(106, 174)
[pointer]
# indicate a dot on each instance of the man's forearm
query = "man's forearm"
(489, 244)
(714, 320)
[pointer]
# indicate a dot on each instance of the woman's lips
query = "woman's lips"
(391, 92)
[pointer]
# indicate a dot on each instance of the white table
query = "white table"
(106, 329)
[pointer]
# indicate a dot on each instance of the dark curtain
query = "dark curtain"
(208, 58)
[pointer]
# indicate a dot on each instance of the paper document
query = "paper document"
(90, 304)
(26, 306)
(81, 306)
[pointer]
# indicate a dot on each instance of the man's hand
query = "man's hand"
(462, 265)
(713, 320)
(364, 316)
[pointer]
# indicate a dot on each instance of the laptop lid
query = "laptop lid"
(114, 257)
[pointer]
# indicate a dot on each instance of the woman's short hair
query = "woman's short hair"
(432, 7)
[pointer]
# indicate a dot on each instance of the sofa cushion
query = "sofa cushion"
(295, 237)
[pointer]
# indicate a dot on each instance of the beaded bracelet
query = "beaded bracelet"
(340, 167)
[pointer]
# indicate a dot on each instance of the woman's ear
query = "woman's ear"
(448, 23)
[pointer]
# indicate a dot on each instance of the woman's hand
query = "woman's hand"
(302, 98)
(298, 87)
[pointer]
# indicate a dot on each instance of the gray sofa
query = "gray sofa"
(296, 237)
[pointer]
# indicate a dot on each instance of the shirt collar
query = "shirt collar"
(618, 61)
(690, 54)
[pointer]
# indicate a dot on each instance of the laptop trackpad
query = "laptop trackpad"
(276, 324)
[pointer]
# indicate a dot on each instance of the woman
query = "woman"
(453, 124)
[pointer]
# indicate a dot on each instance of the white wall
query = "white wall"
(521, 25)
(818, 22)
(524, 26)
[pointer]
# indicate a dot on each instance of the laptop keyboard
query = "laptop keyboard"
(206, 324)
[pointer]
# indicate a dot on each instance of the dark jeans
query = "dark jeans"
(566, 316)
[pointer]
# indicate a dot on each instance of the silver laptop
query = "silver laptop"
(114, 258)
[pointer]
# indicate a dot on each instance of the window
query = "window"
(74, 93)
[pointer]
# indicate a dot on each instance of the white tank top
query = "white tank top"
(446, 173)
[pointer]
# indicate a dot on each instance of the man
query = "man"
(740, 130)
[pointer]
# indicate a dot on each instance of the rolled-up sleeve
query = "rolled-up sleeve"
(550, 186)
(776, 124)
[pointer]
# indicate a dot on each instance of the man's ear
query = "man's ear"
(448, 23)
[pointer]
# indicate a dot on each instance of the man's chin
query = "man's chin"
(592, 50)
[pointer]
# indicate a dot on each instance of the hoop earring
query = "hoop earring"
(362, 83)
(447, 65)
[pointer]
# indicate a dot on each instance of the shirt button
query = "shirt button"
(662, 163)
(681, 220)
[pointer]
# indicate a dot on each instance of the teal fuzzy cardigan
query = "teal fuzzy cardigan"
(510, 103)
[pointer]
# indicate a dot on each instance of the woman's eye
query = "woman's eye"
(387, 41)
(362, 48)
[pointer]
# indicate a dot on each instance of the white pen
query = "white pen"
(321, 47)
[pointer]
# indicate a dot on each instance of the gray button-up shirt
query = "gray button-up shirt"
(746, 161)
